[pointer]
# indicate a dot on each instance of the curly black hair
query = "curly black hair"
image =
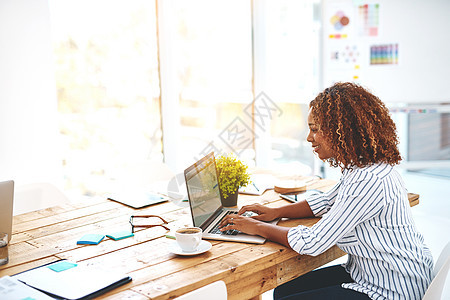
(357, 126)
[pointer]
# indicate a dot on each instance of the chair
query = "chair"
(216, 290)
(35, 196)
(440, 272)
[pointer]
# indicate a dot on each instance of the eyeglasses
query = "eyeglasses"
(148, 226)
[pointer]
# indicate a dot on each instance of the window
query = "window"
(107, 87)
(291, 77)
(211, 57)
(154, 80)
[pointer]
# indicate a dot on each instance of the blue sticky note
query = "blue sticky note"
(62, 266)
(120, 235)
(154, 197)
(91, 239)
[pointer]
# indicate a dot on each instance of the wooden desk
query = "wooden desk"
(248, 270)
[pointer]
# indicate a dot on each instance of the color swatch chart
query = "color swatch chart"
(384, 54)
(339, 21)
(369, 19)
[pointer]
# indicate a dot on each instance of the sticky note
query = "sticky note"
(91, 239)
(62, 266)
(120, 235)
(170, 236)
(153, 196)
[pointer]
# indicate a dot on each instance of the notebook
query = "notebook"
(206, 205)
(259, 184)
(67, 280)
(137, 198)
(6, 204)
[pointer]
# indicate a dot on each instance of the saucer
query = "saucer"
(202, 248)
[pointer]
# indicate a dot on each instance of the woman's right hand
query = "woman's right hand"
(263, 212)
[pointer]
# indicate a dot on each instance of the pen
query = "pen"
(255, 187)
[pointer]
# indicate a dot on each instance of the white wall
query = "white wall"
(28, 111)
(420, 28)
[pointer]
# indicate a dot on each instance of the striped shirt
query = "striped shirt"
(367, 214)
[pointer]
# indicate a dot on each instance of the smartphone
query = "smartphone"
(300, 196)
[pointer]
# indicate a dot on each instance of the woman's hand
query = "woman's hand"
(249, 225)
(253, 226)
(263, 212)
(244, 224)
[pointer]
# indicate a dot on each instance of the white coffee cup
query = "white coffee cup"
(188, 238)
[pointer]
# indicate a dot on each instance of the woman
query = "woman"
(366, 214)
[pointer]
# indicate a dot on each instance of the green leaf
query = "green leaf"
(232, 174)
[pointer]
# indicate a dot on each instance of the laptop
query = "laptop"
(6, 204)
(206, 205)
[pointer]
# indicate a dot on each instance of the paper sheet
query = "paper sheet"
(12, 289)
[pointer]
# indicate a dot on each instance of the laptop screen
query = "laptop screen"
(203, 189)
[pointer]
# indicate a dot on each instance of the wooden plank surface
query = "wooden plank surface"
(248, 270)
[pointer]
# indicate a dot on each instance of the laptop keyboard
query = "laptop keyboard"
(216, 229)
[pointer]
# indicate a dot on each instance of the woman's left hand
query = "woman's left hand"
(244, 224)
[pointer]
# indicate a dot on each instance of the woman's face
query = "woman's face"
(317, 140)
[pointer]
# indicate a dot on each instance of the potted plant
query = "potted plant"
(232, 175)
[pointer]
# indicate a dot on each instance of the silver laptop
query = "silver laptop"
(6, 206)
(206, 204)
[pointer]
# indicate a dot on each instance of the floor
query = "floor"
(432, 214)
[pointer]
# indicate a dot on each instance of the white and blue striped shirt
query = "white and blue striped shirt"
(367, 214)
